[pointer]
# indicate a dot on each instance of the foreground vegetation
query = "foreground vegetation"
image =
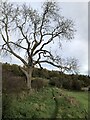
(49, 102)
(54, 95)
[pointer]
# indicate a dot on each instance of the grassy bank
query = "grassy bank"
(82, 97)
(49, 102)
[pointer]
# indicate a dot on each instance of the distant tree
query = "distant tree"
(67, 65)
(25, 29)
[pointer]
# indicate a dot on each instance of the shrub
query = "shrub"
(16, 70)
(55, 81)
(43, 73)
(6, 66)
(76, 85)
(6, 103)
(38, 83)
(36, 72)
(72, 84)
(53, 74)
(67, 84)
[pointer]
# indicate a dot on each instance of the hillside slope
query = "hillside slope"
(45, 102)
(14, 80)
(49, 102)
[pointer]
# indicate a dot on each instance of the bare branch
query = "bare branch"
(45, 61)
(36, 30)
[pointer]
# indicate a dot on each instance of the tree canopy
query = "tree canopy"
(24, 28)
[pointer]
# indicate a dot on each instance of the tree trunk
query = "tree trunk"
(29, 78)
(28, 74)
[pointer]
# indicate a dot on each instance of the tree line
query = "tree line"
(44, 77)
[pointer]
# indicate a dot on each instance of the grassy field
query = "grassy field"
(49, 102)
(82, 97)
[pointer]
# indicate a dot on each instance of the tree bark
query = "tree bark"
(29, 78)
(28, 74)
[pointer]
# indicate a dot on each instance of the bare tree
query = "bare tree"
(25, 29)
(68, 65)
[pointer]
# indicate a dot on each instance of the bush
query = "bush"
(6, 103)
(55, 81)
(16, 70)
(43, 73)
(67, 84)
(72, 84)
(76, 85)
(6, 67)
(38, 83)
(53, 74)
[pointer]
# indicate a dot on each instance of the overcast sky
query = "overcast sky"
(78, 47)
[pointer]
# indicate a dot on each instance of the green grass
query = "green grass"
(43, 105)
(82, 97)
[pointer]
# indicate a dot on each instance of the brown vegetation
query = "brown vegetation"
(14, 80)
